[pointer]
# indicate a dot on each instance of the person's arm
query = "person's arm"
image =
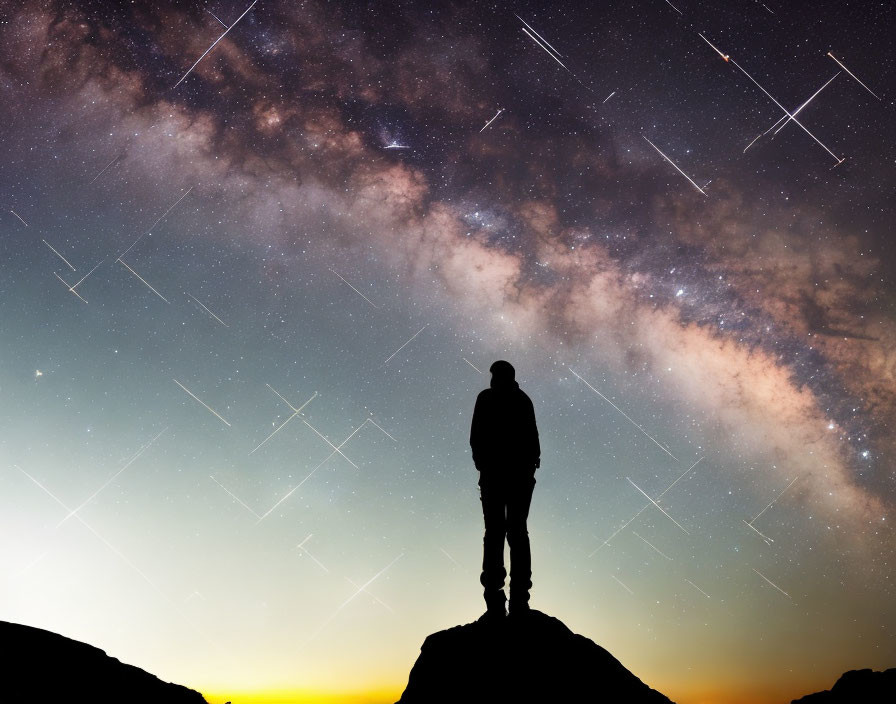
(476, 431)
(533, 435)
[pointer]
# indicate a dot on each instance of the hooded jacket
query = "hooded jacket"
(503, 431)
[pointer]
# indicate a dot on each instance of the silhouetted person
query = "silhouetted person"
(504, 440)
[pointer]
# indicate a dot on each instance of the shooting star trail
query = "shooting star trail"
(698, 588)
(301, 546)
(676, 166)
(492, 120)
(234, 496)
(653, 546)
(724, 56)
(771, 582)
(355, 290)
(58, 255)
(449, 556)
(673, 7)
(112, 478)
(657, 505)
(768, 540)
(207, 310)
(351, 598)
(90, 528)
(406, 343)
(801, 125)
(293, 490)
(214, 44)
(324, 438)
(71, 289)
(396, 145)
(371, 595)
(626, 417)
(210, 409)
(19, 217)
(623, 585)
(373, 422)
(799, 109)
(105, 168)
(538, 35)
(471, 364)
(216, 17)
(296, 411)
(549, 53)
(773, 501)
(854, 76)
(609, 96)
(149, 231)
(142, 279)
(624, 525)
(753, 142)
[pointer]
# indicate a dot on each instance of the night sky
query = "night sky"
(246, 308)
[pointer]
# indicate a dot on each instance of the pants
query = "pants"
(505, 500)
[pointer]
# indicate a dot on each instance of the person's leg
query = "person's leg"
(519, 499)
(493, 572)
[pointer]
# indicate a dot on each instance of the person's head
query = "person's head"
(502, 372)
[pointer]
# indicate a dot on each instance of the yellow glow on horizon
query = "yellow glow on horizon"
(287, 696)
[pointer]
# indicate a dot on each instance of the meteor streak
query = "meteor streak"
(676, 166)
(698, 589)
(149, 231)
(18, 216)
(301, 546)
(768, 540)
(406, 343)
(105, 168)
(492, 120)
(293, 490)
(234, 496)
(751, 143)
(797, 111)
(673, 7)
(208, 311)
(214, 44)
(354, 289)
(657, 505)
(112, 478)
(854, 76)
(210, 409)
(58, 254)
(324, 438)
(142, 279)
(471, 364)
(626, 417)
(609, 96)
(70, 288)
(537, 34)
(296, 412)
(624, 525)
(351, 598)
(803, 127)
(724, 56)
(653, 546)
(622, 585)
(771, 582)
(773, 501)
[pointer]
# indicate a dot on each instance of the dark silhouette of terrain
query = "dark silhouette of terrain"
(40, 666)
(530, 658)
(857, 687)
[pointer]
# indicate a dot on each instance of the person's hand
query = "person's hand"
(538, 463)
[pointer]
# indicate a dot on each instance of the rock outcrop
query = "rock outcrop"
(857, 687)
(41, 666)
(533, 658)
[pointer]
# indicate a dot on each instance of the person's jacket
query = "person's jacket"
(503, 432)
